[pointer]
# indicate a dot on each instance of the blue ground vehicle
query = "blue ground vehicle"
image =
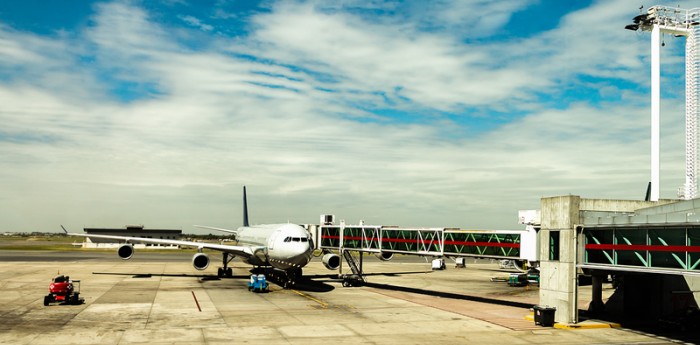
(257, 283)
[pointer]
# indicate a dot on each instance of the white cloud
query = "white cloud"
(473, 18)
(192, 21)
(428, 68)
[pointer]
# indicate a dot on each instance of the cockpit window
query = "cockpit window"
(296, 239)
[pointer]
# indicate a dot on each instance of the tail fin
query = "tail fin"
(245, 209)
(647, 197)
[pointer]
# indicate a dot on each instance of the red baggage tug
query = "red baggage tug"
(63, 289)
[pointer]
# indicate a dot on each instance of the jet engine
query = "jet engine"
(200, 261)
(331, 261)
(126, 251)
(384, 256)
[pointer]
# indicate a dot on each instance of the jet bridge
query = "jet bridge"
(385, 241)
(643, 248)
(496, 244)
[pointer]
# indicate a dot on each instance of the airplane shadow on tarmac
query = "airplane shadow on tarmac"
(307, 283)
(318, 282)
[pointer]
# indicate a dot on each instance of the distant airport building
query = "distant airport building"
(131, 231)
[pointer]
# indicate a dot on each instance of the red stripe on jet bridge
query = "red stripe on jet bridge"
(348, 238)
(484, 244)
(410, 240)
(643, 247)
(385, 239)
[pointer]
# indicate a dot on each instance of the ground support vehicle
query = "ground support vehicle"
(63, 289)
(257, 283)
(353, 280)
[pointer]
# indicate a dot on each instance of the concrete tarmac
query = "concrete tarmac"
(179, 305)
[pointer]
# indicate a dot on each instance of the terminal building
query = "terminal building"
(650, 248)
(131, 231)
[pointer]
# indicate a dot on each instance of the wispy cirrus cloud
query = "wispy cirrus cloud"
(193, 21)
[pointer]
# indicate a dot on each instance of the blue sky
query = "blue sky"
(441, 113)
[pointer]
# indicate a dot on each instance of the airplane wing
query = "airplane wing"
(241, 251)
(235, 232)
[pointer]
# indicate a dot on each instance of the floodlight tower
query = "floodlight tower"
(678, 22)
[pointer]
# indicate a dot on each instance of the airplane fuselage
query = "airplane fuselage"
(285, 246)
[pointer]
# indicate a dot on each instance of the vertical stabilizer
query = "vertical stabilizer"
(245, 209)
(648, 195)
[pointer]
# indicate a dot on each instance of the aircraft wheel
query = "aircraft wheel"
(229, 272)
(220, 272)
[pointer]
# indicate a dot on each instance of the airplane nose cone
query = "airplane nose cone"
(297, 246)
(304, 256)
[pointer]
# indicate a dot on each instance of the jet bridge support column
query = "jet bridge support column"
(558, 280)
(597, 305)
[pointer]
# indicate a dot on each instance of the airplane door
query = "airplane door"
(273, 237)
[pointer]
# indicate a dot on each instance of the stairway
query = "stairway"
(352, 263)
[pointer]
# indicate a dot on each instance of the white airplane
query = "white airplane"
(286, 248)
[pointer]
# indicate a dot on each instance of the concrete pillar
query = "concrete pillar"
(597, 305)
(558, 283)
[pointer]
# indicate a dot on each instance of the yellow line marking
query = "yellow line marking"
(587, 325)
(582, 325)
(322, 303)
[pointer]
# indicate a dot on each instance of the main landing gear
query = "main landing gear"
(285, 279)
(293, 277)
(225, 271)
